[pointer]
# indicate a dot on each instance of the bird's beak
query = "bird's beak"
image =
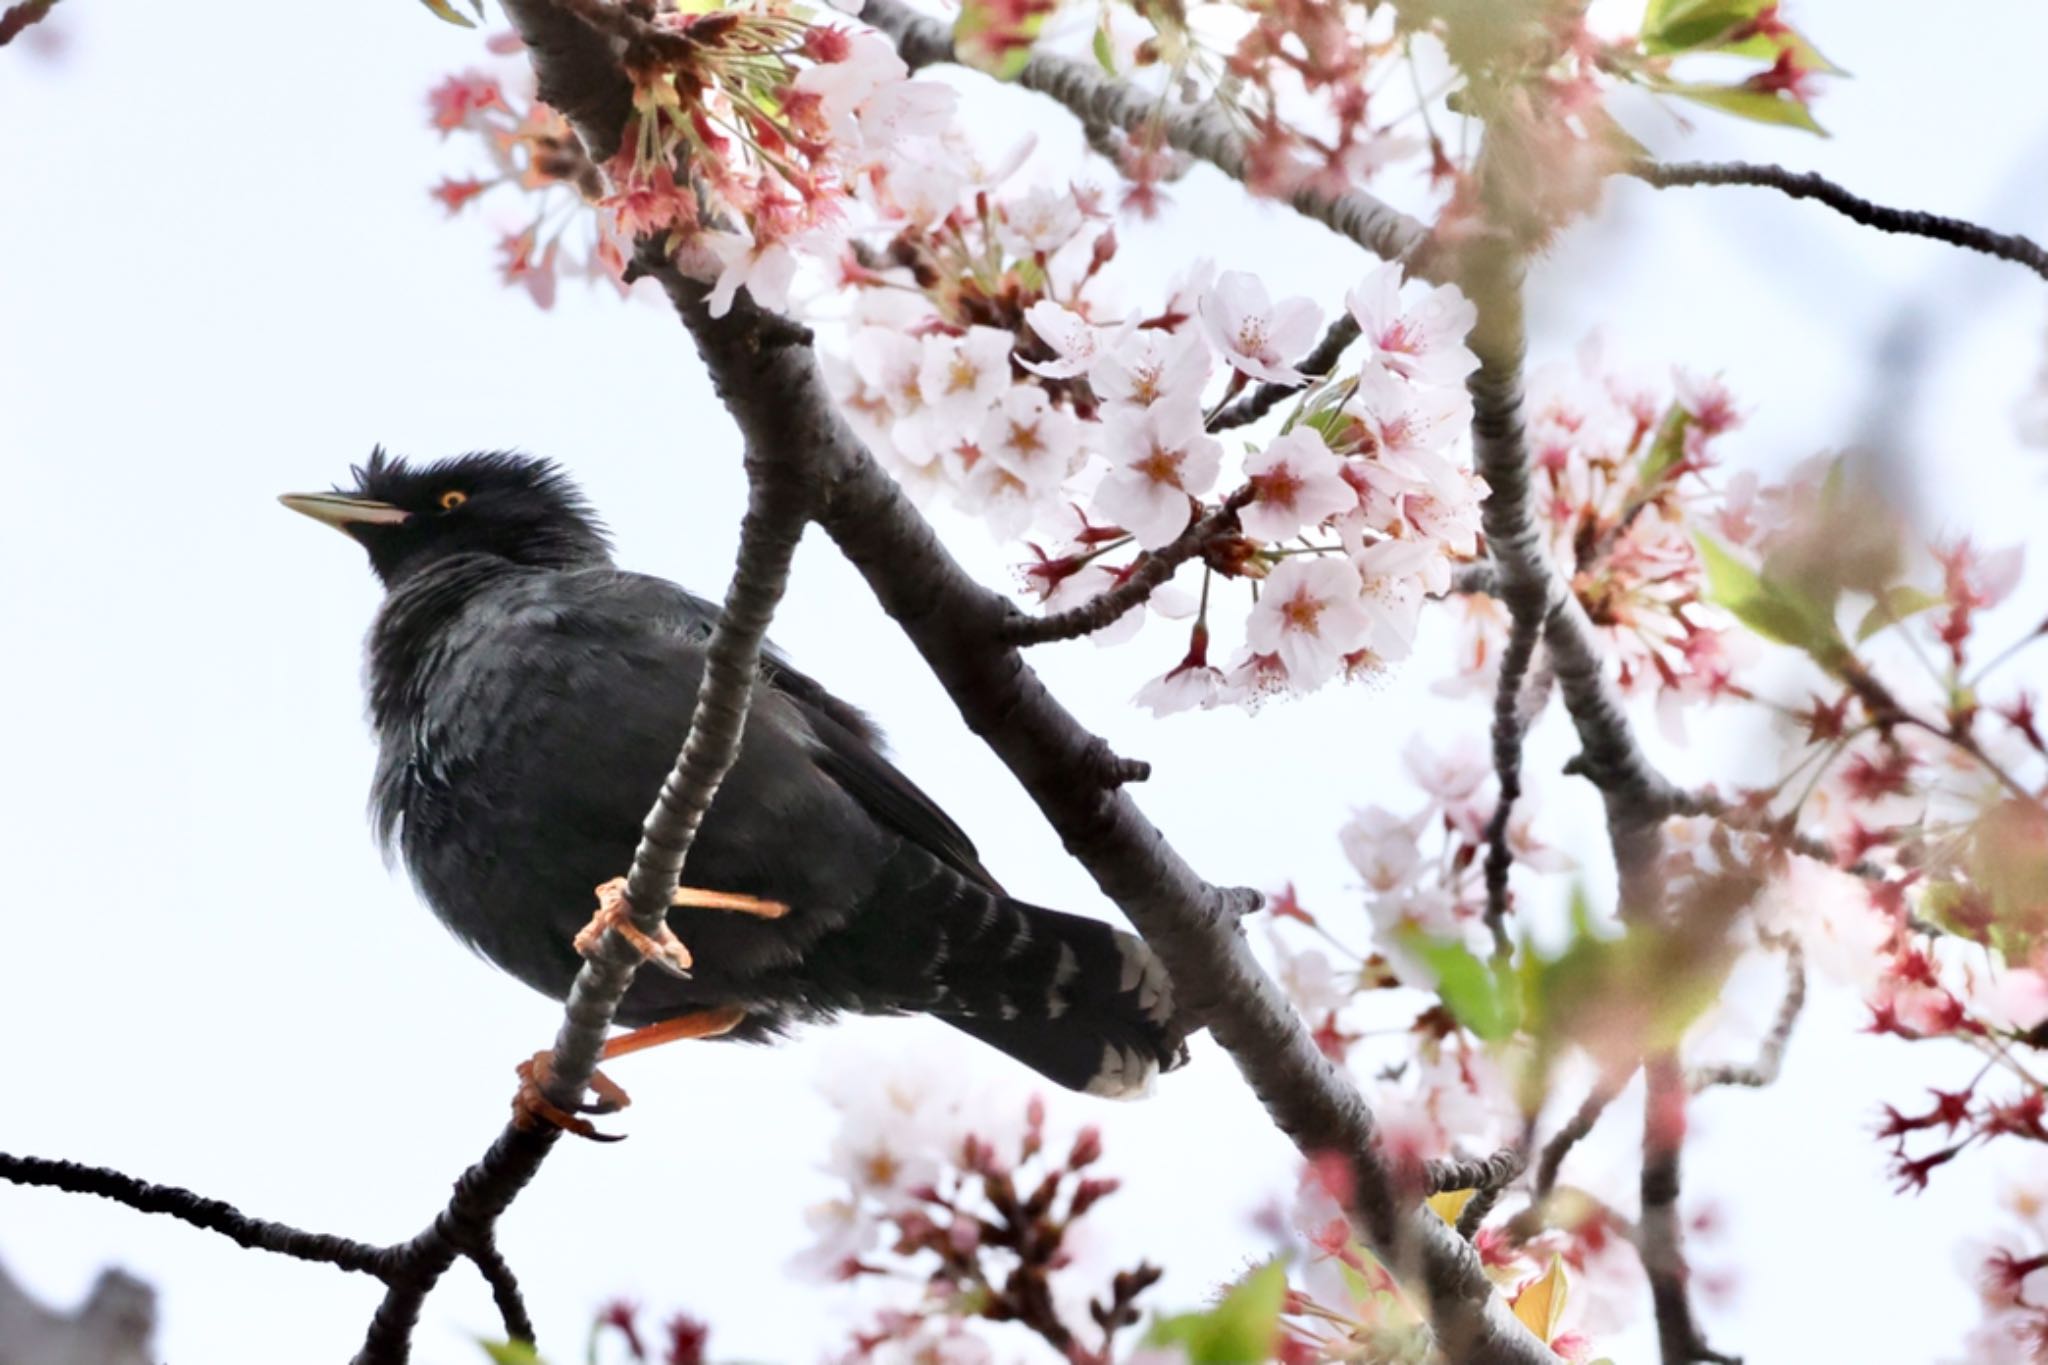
(333, 509)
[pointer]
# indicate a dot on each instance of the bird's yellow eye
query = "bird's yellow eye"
(453, 499)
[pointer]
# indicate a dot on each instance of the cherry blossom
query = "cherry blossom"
(1310, 616)
(1189, 684)
(1022, 454)
(1258, 337)
(1039, 223)
(1299, 483)
(961, 378)
(765, 269)
(1160, 460)
(1151, 366)
(1075, 341)
(1383, 847)
(1424, 342)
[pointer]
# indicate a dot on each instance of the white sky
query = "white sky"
(227, 281)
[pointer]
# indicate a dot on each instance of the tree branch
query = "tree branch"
(1317, 364)
(1153, 572)
(1200, 132)
(1807, 185)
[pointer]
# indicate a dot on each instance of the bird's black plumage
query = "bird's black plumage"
(529, 698)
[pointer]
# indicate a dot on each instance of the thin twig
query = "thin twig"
(1770, 1055)
(1807, 185)
(1198, 131)
(214, 1215)
(490, 1263)
(1573, 1132)
(1152, 573)
(1483, 1173)
(18, 17)
(1317, 364)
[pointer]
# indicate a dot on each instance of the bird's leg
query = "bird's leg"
(712, 1023)
(698, 898)
(531, 1108)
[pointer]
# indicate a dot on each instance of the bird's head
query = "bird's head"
(409, 516)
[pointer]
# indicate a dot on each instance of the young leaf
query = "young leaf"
(1686, 25)
(1105, 55)
(1450, 1204)
(1541, 1303)
(1469, 989)
(1894, 605)
(1241, 1328)
(1772, 607)
(1666, 450)
(1758, 106)
(445, 11)
(511, 1352)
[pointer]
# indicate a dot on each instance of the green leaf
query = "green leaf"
(1896, 604)
(443, 10)
(1758, 106)
(1237, 1331)
(1683, 25)
(1667, 450)
(1105, 55)
(511, 1352)
(1772, 607)
(1470, 990)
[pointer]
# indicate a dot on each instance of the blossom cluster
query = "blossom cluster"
(2009, 1265)
(1094, 436)
(973, 1216)
(531, 150)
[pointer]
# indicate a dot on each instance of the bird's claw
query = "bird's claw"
(531, 1108)
(614, 911)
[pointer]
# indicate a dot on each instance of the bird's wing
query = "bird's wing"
(849, 744)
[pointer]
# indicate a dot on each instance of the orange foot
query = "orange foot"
(531, 1108)
(662, 947)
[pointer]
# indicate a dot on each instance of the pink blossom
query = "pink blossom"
(1075, 340)
(1413, 429)
(1395, 589)
(1039, 223)
(1188, 684)
(1310, 616)
(1383, 847)
(1024, 450)
(1424, 343)
(869, 64)
(764, 269)
(1151, 366)
(1160, 459)
(1299, 483)
(1451, 776)
(960, 378)
(1259, 338)
(1184, 687)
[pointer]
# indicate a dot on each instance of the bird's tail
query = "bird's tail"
(1078, 1002)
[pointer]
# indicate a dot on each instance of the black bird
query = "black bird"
(529, 698)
